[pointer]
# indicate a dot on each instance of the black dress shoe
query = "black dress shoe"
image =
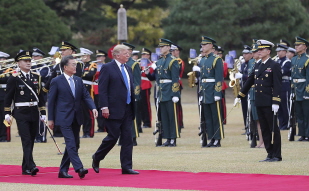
(34, 171)
(3, 140)
(82, 172)
(26, 172)
(210, 143)
(63, 174)
(167, 143)
(266, 160)
(302, 138)
(216, 143)
(95, 165)
(129, 171)
(275, 159)
(145, 126)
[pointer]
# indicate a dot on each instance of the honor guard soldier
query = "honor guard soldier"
(300, 87)
(88, 77)
(243, 76)
(38, 54)
(135, 54)
(66, 50)
(5, 73)
(267, 79)
(146, 88)
(210, 92)
(285, 63)
(100, 59)
(134, 64)
(175, 51)
(291, 53)
(24, 90)
(167, 78)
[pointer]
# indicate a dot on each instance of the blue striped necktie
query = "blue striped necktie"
(126, 82)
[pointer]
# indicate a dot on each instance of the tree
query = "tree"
(233, 23)
(28, 24)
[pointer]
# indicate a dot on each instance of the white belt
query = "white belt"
(145, 78)
(89, 82)
(19, 104)
(208, 80)
(2, 85)
(286, 78)
(299, 80)
(165, 81)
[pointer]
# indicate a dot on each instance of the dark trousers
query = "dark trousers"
(179, 114)
(283, 112)
(100, 119)
(302, 116)
(118, 128)
(88, 125)
(146, 107)
(27, 131)
(71, 138)
(169, 122)
(267, 123)
(135, 127)
(211, 116)
(3, 128)
(244, 107)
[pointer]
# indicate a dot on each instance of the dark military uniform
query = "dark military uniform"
(300, 88)
(88, 80)
(267, 79)
(211, 78)
(28, 105)
(167, 79)
(5, 132)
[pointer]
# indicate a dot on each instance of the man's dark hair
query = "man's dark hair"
(65, 61)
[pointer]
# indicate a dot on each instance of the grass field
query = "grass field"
(235, 155)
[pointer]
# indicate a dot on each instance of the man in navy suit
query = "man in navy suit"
(64, 99)
(116, 97)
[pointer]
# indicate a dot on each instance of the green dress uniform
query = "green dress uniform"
(136, 70)
(88, 76)
(211, 78)
(300, 88)
(25, 92)
(167, 79)
(251, 65)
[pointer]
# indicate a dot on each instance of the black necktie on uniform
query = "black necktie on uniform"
(27, 77)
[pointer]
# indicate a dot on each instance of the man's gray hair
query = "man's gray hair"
(119, 48)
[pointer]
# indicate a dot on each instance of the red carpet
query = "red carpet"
(160, 179)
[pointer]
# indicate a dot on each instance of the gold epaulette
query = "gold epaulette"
(170, 64)
(306, 63)
(215, 62)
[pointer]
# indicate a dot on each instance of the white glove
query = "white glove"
(153, 66)
(146, 71)
(236, 101)
(195, 80)
(8, 118)
(217, 98)
(292, 95)
(196, 69)
(175, 99)
(238, 75)
(306, 97)
(43, 118)
(275, 108)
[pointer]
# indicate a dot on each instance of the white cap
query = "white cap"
(85, 51)
(291, 50)
(264, 44)
(4, 55)
(53, 50)
(135, 51)
(173, 47)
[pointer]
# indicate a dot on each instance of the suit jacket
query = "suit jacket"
(62, 105)
(113, 91)
(267, 79)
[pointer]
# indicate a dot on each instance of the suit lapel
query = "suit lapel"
(118, 71)
(263, 67)
(66, 83)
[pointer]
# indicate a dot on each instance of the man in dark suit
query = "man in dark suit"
(267, 78)
(116, 95)
(65, 96)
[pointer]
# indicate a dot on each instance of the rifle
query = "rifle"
(158, 139)
(202, 126)
(292, 119)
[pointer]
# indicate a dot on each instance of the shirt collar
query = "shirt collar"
(24, 73)
(118, 63)
(67, 76)
(265, 60)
